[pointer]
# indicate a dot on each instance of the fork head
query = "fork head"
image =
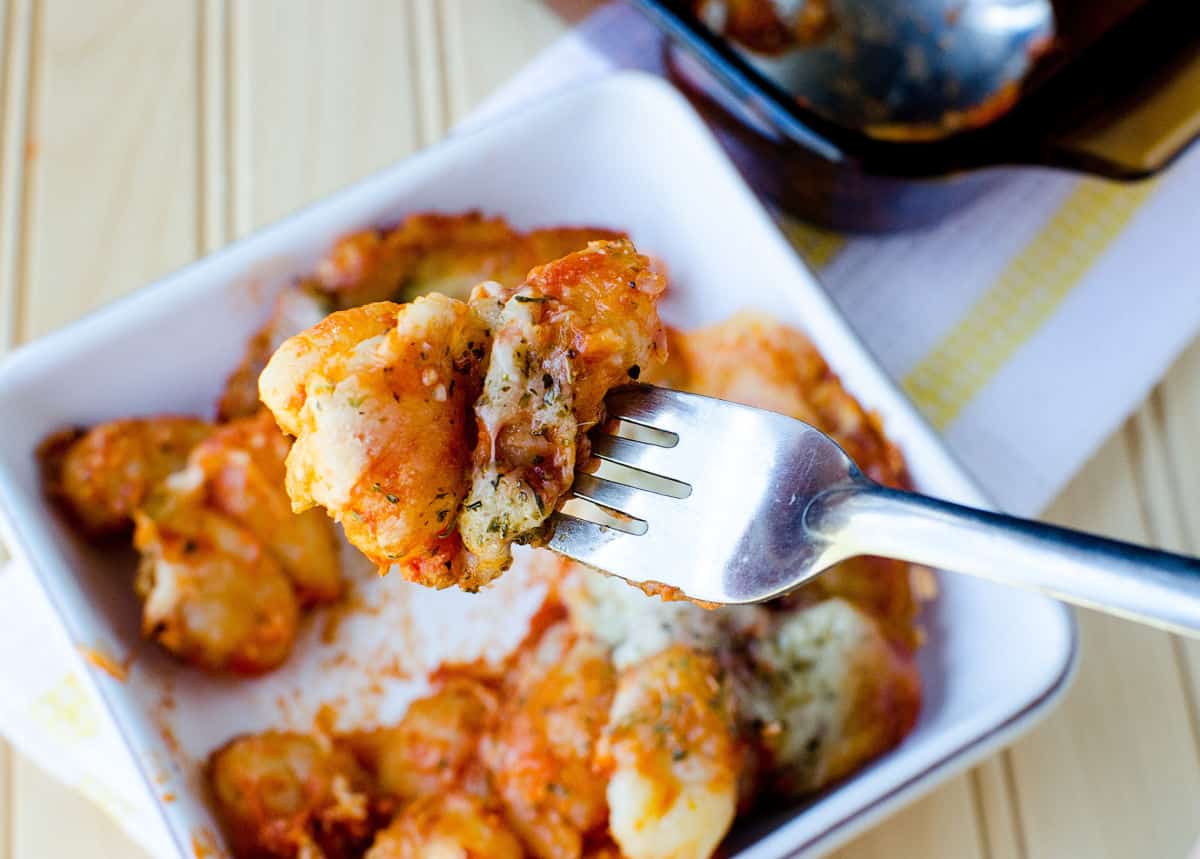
(701, 495)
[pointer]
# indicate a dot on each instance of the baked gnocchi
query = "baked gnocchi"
(225, 566)
(438, 430)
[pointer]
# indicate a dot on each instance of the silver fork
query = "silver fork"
(732, 504)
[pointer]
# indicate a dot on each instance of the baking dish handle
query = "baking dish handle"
(1139, 133)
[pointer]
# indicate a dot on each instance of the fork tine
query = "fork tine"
(664, 461)
(614, 495)
(653, 407)
(588, 542)
(618, 472)
(578, 507)
(648, 506)
(635, 558)
(634, 431)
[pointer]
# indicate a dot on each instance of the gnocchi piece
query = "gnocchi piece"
(282, 795)
(756, 360)
(425, 253)
(837, 695)
(432, 252)
(211, 593)
(379, 399)
(104, 474)
(295, 310)
(241, 466)
(447, 826)
(575, 329)
(880, 587)
(673, 757)
(553, 706)
(636, 626)
(435, 746)
(604, 850)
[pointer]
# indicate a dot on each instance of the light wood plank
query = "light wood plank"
(1177, 411)
(969, 816)
(426, 61)
(6, 800)
(113, 189)
(109, 202)
(1114, 772)
(1170, 507)
(486, 43)
(16, 37)
(1156, 476)
(52, 822)
(1178, 405)
(321, 97)
(214, 199)
(997, 817)
(941, 824)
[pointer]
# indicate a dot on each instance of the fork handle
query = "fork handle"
(1135, 582)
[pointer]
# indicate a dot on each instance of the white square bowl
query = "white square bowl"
(627, 153)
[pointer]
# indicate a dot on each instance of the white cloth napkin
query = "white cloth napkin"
(1026, 327)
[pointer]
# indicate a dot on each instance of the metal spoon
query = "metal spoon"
(901, 69)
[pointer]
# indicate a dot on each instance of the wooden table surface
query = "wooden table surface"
(136, 135)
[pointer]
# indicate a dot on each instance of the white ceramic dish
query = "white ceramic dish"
(627, 153)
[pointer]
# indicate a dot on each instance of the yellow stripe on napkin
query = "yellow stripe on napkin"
(1024, 296)
(66, 711)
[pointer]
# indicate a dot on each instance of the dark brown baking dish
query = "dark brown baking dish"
(1104, 87)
